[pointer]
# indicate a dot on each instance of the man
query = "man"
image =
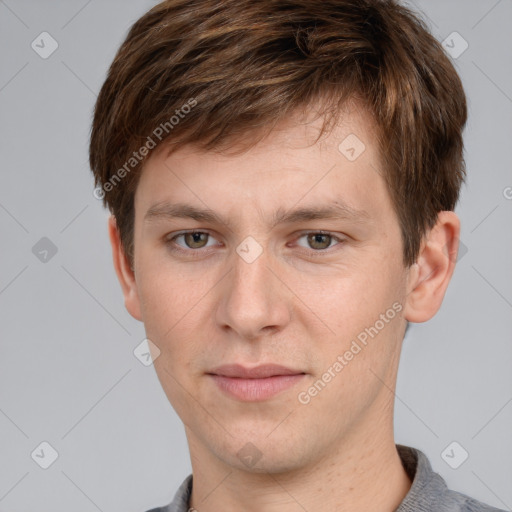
(282, 177)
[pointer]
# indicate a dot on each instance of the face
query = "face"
(272, 284)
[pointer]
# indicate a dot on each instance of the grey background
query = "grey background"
(68, 374)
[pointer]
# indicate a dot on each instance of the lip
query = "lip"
(254, 384)
(258, 372)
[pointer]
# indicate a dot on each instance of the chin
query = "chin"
(258, 453)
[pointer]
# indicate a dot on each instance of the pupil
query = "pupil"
(195, 239)
(319, 238)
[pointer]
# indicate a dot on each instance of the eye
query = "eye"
(319, 240)
(192, 239)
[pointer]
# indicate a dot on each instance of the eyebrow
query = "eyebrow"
(335, 211)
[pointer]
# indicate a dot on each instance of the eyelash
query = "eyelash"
(170, 242)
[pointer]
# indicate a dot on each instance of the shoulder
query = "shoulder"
(429, 492)
(456, 501)
(180, 503)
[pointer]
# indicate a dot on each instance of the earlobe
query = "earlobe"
(125, 273)
(429, 277)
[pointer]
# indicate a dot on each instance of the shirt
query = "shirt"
(428, 492)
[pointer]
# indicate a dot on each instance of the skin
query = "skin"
(299, 304)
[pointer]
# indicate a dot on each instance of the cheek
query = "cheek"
(353, 362)
(167, 295)
(338, 301)
(357, 305)
(171, 309)
(171, 306)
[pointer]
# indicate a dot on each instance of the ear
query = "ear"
(428, 278)
(124, 272)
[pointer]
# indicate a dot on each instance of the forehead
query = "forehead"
(288, 165)
(301, 128)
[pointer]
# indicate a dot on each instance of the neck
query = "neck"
(362, 473)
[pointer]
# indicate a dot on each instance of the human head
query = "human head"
(215, 73)
(228, 93)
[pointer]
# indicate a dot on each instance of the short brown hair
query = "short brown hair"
(208, 72)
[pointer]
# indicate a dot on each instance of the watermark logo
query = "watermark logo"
(454, 455)
(44, 250)
(455, 45)
(44, 455)
(352, 147)
(146, 352)
(249, 455)
(44, 45)
(462, 251)
(249, 249)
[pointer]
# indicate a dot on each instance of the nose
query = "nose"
(253, 300)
